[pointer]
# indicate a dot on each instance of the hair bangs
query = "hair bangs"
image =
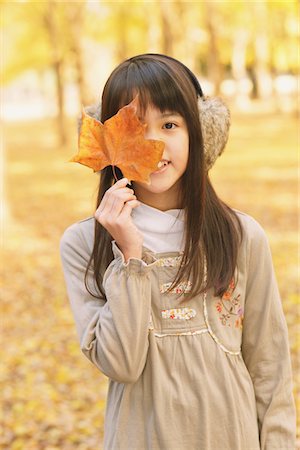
(156, 86)
(153, 82)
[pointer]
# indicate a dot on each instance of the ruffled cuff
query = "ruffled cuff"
(135, 265)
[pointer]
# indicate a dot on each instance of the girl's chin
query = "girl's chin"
(156, 187)
(159, 183)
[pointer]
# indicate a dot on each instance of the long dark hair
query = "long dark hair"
(212, 229)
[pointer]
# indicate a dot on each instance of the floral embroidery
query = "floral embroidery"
(172, 261)
(230, 306)
(213, 335)
(180, 313)
(181, 288)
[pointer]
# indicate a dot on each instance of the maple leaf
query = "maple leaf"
(119, 142)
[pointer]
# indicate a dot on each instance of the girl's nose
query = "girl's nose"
(151, 133)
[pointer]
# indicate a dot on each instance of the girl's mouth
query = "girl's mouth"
(162, 166)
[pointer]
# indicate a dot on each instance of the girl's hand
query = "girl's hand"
(114, 214)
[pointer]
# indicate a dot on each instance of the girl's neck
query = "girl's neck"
(162, 200)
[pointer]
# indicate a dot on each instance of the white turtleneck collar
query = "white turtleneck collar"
(163, 231)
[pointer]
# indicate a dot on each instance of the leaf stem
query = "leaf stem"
(114, 173)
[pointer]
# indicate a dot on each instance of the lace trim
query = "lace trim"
(179, 313)
(183, 333)
(182, 288)
(172, 261)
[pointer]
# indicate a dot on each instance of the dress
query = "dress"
(210, 373)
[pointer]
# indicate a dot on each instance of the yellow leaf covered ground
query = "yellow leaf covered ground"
(53, 398)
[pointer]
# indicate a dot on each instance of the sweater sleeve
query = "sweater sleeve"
(265, 348)
(113, 331)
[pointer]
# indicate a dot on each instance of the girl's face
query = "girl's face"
(169, 127)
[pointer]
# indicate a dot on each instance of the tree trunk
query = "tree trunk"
(238, 64)
(184, 49)
(214, 65)
(58, 70)
(57, 65)
(121, 31)
(261, 44)
(167, 23)
(75, 16)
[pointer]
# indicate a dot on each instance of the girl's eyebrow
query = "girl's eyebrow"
(164, 115)
(170, 113)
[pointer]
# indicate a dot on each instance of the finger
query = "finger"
(120, 183)
(101, 205)
(127, 210)
(119, 202)
(111, 194)
(129, 183)
(114, 205)
(108, 198)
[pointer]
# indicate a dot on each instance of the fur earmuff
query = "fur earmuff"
(215, 124)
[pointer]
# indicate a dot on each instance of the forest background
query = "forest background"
(55, 57)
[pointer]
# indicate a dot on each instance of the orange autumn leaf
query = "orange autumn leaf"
(119, 142)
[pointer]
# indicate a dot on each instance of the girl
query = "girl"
(173, 292)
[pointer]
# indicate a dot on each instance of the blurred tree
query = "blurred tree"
(122, 18)
(284, 32)
(118, 27)
(213, 56)
(239, 49)
(261, 44)
(25, 44)
(211, 36)
(75, 15)
(167, 30)
(64, 24)
(49, 16)
(173, 43)
(152, 28)
(48, 36)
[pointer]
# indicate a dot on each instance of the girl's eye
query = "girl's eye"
(169, 125)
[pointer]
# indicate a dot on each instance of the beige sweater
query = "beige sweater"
(208, 374)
